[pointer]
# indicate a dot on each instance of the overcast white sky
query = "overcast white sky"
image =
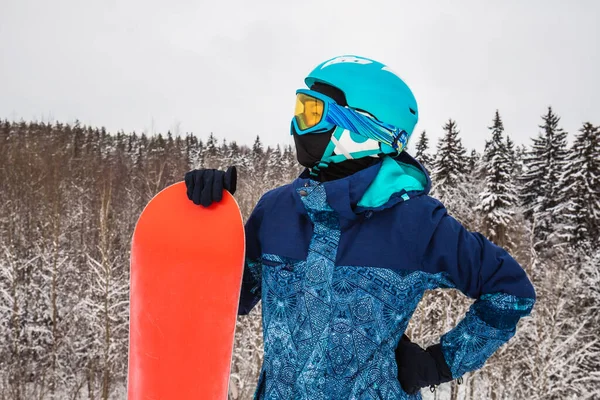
(232, 67)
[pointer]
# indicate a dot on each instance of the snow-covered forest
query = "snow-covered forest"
(70, 196)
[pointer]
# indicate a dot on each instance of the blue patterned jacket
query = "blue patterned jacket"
(340, 268)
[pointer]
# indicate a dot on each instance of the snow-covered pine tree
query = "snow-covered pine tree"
(212, 155)
(231, 157)
(194, 151)
(498, 198)
(224, 153)
(545, 164)
(519, 165)
(422, 155)
(532, 180)
(579, 208)
(274, 172)
(290, 164)
(450, 160)
(258, 158)
(449, 181)
(511, 153)
(473, 162)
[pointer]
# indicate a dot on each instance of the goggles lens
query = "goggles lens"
(309, 111)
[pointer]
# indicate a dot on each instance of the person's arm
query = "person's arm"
(251, 281)
(481, 270)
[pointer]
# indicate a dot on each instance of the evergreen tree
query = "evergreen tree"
(545, 164)
(224, 156)
(499, 194)
(291, 167)
(170, 141)
(450, 160)
(132, 144)
(142, 149)
(194, 151)
(158, 145)
(422, 148)
(532, 180)
(518, 162)
(257, 147)
(275, 172)
(258, 158)
(473, 162)
(77, 141)
(580, 189)
(211, 146)
(511, 154)
(232, 157)
(211, 154)
(5, 128)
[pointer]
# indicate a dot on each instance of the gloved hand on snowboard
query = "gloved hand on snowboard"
(418, 368)
(205, 186)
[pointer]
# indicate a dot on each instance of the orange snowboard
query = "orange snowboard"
(186, 272)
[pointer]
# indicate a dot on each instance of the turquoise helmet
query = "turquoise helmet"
(369, 87)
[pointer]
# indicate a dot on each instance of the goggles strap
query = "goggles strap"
(326, 159)
(400, 139)
(314, 171)
(367, 127)
(328, 153)
(341, 148)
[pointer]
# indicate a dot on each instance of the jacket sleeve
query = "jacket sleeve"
(251, 281)
(481, 270)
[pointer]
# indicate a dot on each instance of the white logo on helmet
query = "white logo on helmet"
(345, 145)
(347, 59)
(388, 69)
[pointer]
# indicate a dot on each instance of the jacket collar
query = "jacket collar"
(344, 194)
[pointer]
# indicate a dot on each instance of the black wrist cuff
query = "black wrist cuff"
(444, 371)
(230, 180)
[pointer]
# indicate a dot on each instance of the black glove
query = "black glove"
(418, 368)
(205, 186)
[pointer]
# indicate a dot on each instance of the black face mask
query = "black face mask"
(311, 147)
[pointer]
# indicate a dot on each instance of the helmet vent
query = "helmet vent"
(413, 112)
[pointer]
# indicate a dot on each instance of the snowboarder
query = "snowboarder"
(342, 256)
